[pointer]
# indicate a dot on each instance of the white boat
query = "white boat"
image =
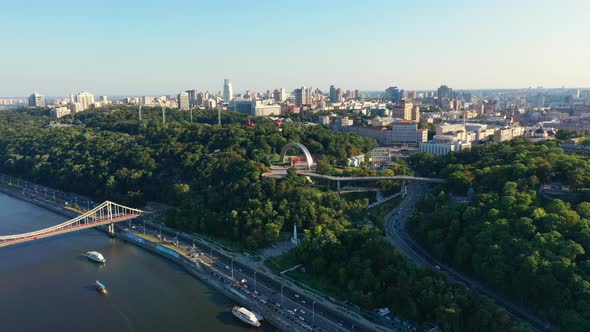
(245, 316)
(100, 287)
(95, 256)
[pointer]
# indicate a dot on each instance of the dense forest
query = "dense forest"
(210, 173)
(521, 242)
(365, 268)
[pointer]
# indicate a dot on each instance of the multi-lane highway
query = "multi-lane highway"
(274, 294)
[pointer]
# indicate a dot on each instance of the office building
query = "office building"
(228, 91)
(104, 99)
(254, 108)
(394, 94)
(183, 101)
(36, 100)
(406, 133)
(444, 144)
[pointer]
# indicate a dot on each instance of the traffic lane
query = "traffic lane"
(319, 307)
(227, 261)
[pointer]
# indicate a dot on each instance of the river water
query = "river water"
(47, 285)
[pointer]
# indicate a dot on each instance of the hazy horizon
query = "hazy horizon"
(134, 48)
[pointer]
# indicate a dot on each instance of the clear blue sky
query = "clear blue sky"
(123, 47)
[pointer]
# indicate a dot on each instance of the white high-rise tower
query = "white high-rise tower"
(228, 91)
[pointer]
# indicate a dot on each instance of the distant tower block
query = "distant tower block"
(294, 239)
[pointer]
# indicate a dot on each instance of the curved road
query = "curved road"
(395, 228)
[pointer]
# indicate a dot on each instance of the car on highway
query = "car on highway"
(437, 267)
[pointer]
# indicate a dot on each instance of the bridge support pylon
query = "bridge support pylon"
(111, 229)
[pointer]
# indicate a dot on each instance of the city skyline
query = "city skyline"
(132, 49)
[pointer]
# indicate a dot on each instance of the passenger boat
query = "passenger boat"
(245, 316)
(100, 287)
(95, 256)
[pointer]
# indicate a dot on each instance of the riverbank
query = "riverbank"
(201, 271)
(313, 309)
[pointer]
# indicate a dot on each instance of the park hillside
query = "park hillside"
(211, 177)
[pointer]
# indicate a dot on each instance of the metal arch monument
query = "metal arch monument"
(300, 146)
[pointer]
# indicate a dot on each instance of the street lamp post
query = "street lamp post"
(352, 329)
(232, 268)
(282, 293)
(144, 227)
(313, 312)
(255, 283)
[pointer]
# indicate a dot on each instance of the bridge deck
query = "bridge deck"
(277, 172)
(68, 229)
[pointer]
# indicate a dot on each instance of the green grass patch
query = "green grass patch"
(281, 263)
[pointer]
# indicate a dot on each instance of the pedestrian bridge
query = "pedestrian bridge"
(106, 213)
(372, 178)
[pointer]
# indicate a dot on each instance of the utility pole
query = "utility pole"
(191, 114)
(163, 114)
(139, 112)
(219, 116)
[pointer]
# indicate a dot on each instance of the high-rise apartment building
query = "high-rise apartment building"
(279, 95)
(36, 100)
(183, 101)
(444, 92)
(192, 97)
(228, 91)
(85, 99)
(333, 95)
(303, 96)
(403, 110)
